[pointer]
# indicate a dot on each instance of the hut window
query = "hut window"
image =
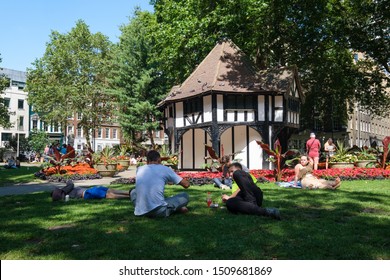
(193, 105)
(239, 102)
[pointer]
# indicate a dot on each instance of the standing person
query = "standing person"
(303, 172)
(249, 198)
(329, 148)
(148, 195)
(313, 147)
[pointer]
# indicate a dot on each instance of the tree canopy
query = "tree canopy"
(320, 37)
(137, 83)
(71, 77)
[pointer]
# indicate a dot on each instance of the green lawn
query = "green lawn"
(23, 174)
(350, 223)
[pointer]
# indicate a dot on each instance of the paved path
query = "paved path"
(32, 187)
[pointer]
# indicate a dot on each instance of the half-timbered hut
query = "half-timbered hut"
(227, 104)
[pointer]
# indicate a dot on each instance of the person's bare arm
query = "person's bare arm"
(184, 183)
(226, 197)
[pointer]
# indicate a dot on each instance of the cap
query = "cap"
(312, 134)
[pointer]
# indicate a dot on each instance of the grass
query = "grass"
(23, 174)
(350, 223)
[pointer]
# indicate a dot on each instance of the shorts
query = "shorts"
(95, 193)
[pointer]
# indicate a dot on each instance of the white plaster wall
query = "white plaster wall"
(261, 108)
(179, 114)
(240, 144)
(199, 148)
(226, 141)
(230, 116)
(207, 113)
(255, 151)
(187, 149)
(220, 108)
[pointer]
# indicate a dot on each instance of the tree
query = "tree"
(4, 112)
(71, 77)
(22, 142)
(137, 84)
(317, 36)
(38, 141)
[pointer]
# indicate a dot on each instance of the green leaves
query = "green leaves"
(72, 77)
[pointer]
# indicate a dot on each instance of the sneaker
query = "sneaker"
(225, 187)
(273, 213)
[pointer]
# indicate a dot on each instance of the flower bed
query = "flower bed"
(80, 171)
(262, 175)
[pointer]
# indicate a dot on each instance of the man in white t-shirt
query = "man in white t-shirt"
(148, 195)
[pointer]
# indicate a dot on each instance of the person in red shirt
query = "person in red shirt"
(313, 147)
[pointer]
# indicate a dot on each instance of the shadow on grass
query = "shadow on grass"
(351, 223)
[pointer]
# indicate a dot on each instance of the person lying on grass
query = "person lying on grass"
(95, 192)
(303, 172)
(148, 195)
(248, 199)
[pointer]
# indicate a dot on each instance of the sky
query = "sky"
(27, 24)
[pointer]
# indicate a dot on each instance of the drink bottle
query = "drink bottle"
(208, 200)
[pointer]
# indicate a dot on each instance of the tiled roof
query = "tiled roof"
(227, 69)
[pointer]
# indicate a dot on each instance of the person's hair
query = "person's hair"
(330, 141)
(225, 159)
(236, 164)
(152, 155)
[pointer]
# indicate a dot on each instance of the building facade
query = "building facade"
(16, 100)
(25, 120)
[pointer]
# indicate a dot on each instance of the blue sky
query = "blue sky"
(27, 24)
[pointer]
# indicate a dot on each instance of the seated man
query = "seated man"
(148, 195)
(95, 192)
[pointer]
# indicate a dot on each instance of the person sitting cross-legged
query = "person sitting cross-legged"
(148, 195)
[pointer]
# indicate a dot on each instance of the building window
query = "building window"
(6, 102)
(70, 129)
(193, 105)
(6, 136)
(239, 102)
(20, 103)
(107, 133)
(99, 133)
(79, 116)
(79, 132)
(21, 123)
(35, 124)
(114, 136)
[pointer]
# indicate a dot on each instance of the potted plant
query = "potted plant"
(105, 162)
(366, 158)
(123, 159)
(343, 158)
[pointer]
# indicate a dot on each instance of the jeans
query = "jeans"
(174, 203)
(227, 181)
